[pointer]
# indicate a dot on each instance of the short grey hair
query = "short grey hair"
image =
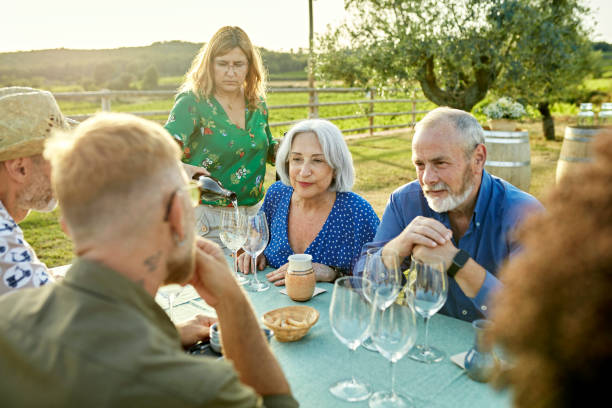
(467, 126)
(334, 147)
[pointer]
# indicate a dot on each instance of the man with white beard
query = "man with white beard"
(27, 118)
(455, 211)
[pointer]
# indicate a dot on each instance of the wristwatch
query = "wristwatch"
(459, 262)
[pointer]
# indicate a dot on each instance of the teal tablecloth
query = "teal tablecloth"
(316, 361)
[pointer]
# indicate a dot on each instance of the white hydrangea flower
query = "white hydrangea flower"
(504, 108)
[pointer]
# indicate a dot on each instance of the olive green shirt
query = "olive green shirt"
(236, 157)
(97, 339)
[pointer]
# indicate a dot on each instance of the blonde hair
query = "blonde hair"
(108, 166)
(200, 77)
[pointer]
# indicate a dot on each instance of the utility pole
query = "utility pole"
(313, 97)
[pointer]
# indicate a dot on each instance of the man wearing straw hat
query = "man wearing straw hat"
(27, 117)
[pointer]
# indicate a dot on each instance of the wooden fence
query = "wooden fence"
(106, 96)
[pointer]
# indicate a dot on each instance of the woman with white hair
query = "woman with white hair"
(312, 209)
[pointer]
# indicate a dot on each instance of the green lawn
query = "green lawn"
(382, 164)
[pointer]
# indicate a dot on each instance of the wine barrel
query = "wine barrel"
(509, 157)
(576, 149)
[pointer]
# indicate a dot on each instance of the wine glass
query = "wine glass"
(256, 242)
(430, 288)
(393, 332)
(350, 318)
(233, 233)
(170, 292)
(384, 272)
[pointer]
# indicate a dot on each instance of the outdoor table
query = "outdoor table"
(319, 359)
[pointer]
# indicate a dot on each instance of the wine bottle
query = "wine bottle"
(213, 190)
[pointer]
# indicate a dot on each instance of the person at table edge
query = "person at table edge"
(455, 210)
(220, 119)
(27, 118)
(98, 338)
(312, 210)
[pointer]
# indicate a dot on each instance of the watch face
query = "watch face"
(461, 258)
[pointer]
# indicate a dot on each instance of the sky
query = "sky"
(272, 24)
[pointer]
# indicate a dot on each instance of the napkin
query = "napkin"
(459, 359)
(317, 291)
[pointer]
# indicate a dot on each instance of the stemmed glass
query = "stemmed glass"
(430, 289)
(257, 239)
(384, 272)
(350, 318)
(393, 332)
(233, 233)
(170, 292)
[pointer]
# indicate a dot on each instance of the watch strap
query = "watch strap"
(459, 261)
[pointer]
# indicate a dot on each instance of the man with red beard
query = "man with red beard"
(455, 211)
(27, 118)
(97, 337)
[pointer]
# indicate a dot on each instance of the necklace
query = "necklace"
(229, 105)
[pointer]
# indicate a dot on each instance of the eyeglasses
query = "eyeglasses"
(193, 189)
(238, 66)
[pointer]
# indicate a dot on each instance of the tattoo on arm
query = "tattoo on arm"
(152, 262)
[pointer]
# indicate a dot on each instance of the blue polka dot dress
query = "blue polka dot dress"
(351, 223)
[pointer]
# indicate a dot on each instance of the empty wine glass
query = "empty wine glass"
(350, 318)
(393, 332)
(170, 292)
(233, 233)
(430, 289)
(256, 242)
(384, 272)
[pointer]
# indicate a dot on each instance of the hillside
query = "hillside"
(119, 67)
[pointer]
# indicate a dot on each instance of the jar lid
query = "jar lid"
(300, 262)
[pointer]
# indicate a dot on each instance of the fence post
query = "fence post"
(371, 94)
(413, 113)
(313, 99)
(106, 101)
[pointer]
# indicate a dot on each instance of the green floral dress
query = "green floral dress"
(235, 156)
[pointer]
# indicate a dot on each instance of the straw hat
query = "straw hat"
(27, 117)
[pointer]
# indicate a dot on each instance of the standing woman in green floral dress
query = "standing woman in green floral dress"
(221, 121)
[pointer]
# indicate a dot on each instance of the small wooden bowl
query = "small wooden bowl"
(277, 321)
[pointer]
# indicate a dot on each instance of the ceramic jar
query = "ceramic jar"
(300, 279)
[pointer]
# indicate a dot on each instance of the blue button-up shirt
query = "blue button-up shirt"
(499, 208)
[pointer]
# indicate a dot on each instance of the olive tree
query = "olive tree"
(556, 58)
(457, 50)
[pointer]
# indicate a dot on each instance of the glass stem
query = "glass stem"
(254, 264)
(236, 262)
(392, 377)
(351, 352)
(426, 320)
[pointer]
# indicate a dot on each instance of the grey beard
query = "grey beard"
(452, 201)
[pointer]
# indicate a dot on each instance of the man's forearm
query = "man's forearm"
(245, 344)
(470, 278)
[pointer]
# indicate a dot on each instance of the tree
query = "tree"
(456, 49)
(150, 78)
(557, 57)
(103, 72)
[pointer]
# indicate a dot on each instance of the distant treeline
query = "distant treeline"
(121, 68)
(141, 67)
